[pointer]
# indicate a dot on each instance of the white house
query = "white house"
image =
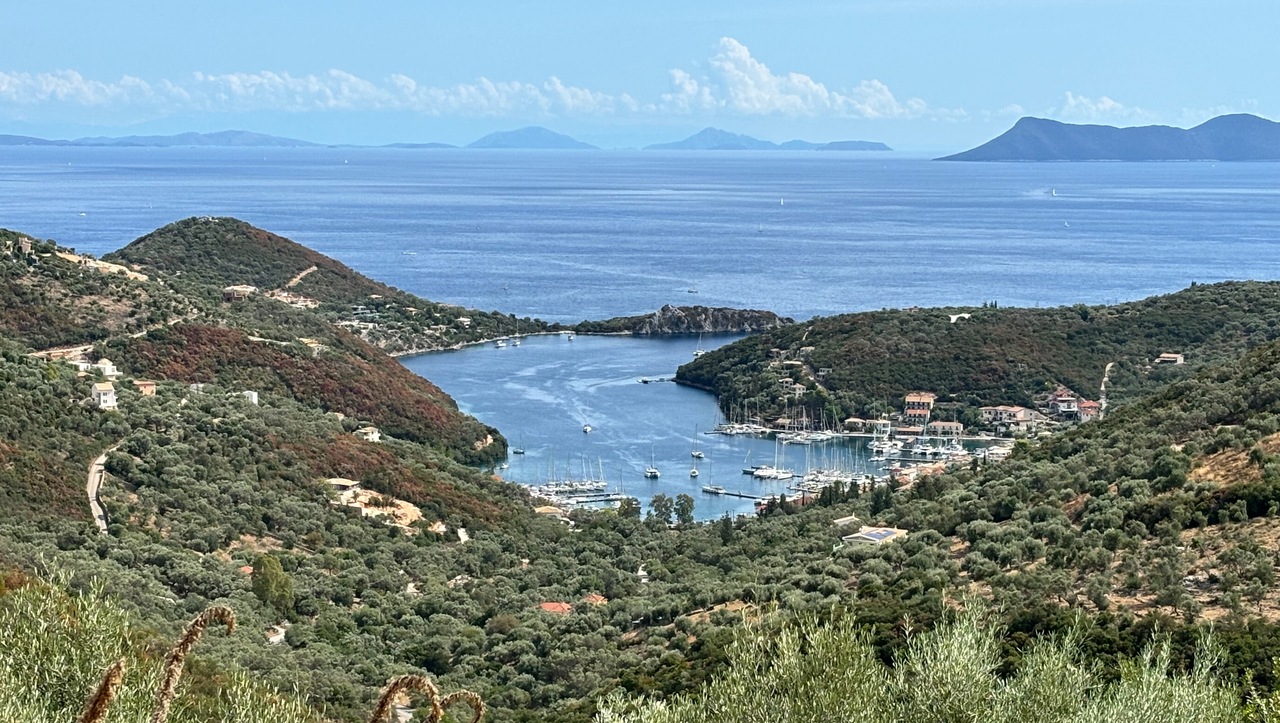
(252, 396)
(874, 536)
(104, 395)
(108, 369)
(369, 434)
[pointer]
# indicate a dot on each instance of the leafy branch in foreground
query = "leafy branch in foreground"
(816, 673)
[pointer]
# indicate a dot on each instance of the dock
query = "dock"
(593, 498)
(731, 493)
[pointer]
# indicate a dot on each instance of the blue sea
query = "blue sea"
(567, 236)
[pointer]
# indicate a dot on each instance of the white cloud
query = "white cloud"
(740, 83)
(68, 86)
(688, 96)
(735, 83)
(1103, 109)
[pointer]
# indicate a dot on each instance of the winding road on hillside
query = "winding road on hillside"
(93, 485)
(1102, 392)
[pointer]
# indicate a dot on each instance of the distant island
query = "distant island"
(533, 137)
(529, 138)
(714, 139)
(243, 139)
(1239, 137)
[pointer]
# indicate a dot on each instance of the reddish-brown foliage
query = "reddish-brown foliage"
(352, 378)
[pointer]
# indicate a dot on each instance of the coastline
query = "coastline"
(561, 332)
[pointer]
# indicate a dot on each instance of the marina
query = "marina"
(644, 437)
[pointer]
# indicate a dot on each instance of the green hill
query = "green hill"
(158, 318)
(1159, 518)
(858, 364)
(47, 300)
(203, 255)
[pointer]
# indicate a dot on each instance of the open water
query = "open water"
(567, 236)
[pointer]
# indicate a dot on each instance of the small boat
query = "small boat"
(644, 380)
(713, 489)
(569, 337)
(586, 429)
(504, 465)
(500, 343)
(697, 454)
(693, 472)
(651, 472)
(699, 351)
(518, 450)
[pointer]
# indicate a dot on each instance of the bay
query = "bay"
(569, 236)
(541, 393)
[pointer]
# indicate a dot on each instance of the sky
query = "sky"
(924, 75)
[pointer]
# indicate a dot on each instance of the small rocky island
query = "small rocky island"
(688, 320)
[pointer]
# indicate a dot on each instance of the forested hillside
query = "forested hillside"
(348, 561)
(863, 364)
(1127, 521)
(204, 255)
(48, 300)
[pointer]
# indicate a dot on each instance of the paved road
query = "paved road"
(1102, 393)
(97, 472)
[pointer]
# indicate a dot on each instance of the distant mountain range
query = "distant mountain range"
(532, 137)
(222, 138)
(1239, 137)
(714, 139)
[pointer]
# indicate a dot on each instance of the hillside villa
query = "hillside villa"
(104, 395)
(874, 536)
(239, 292)
(369, 434)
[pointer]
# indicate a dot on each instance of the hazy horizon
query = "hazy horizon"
(917, 74)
